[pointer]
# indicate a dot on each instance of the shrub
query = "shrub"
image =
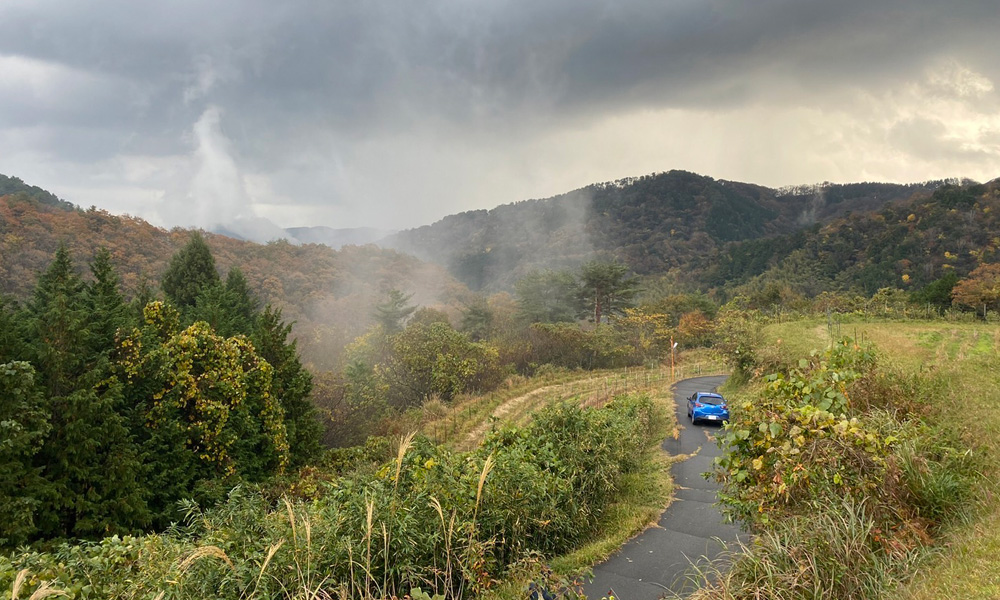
(445, 522)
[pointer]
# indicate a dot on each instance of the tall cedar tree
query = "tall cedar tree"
(87, 458)
(107, 307)
(24, 425)
(191, 271)
(57, 325)
(12, 334)
(230, 308)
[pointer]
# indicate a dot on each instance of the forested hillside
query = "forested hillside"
(907, 245)
(675, 221)
(327, 294)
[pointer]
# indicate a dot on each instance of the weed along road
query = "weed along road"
(655, 562)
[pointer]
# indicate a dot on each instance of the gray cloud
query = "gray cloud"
(393, 114)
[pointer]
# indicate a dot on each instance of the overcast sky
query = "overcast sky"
(394, 113)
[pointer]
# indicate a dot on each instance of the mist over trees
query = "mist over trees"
(676, 222)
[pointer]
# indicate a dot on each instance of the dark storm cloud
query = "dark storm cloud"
(303, 84)
(359, 64)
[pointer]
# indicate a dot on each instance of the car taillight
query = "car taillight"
(698, 405)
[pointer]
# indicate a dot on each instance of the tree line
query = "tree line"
(115, 411)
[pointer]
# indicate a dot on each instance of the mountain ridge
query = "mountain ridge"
(649, 223)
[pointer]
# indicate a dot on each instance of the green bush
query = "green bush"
(838, 469)
(446, 522)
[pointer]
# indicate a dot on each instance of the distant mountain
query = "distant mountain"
(668, 222)
(254, 229)
(328, 294)
(337, 238)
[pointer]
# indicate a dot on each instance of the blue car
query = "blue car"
(707, 406)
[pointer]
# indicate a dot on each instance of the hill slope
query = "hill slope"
(327, 293)
(905, 244)
(655, 224)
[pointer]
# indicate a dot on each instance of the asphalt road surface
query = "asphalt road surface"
(655, 563)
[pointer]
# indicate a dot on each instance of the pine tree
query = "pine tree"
(606, 288)
(393, 312)
(191, 271)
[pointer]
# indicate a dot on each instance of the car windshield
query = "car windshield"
(713, 400)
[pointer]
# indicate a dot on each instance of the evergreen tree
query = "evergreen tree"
(92, 467)
(393, 312)
(57, 319)
(291, 384)
(477, 319)
(107, 311)
(191, 271)
(208, 406)
(143, 296)
(24, 425)
(230, 308)
(87, 457)
(12, 333)
(245, 305)
(937, 293)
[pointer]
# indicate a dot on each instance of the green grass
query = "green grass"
(963, 361)
(463, 423)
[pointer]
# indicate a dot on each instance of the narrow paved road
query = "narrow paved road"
(654, 563)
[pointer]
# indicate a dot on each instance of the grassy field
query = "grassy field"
(962, 361)
(464, 422)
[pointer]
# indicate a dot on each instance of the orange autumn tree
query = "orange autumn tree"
(981, 289)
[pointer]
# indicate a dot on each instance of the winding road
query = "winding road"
(655, 563)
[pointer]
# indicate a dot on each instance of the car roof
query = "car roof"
(710, 394)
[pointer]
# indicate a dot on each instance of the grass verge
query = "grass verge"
(956, 365)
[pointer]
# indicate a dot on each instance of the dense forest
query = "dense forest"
(676, 222)
(98, 306)
(114, 412)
